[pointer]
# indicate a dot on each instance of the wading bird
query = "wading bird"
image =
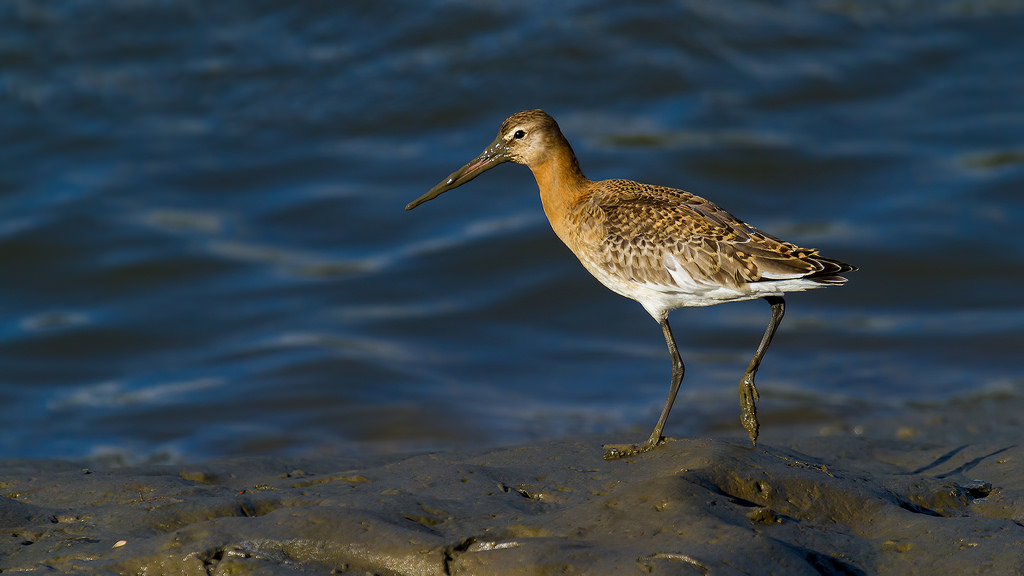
(663, 247)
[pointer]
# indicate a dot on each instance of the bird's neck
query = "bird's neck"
(562, 186)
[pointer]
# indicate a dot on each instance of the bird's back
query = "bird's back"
(652, 242)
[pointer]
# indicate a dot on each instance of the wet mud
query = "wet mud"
(813, 504)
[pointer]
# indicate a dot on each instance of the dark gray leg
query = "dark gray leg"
(615, 451)
(748, 392)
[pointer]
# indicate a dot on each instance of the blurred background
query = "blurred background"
(204, 253)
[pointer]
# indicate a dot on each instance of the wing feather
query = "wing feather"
(664, 237)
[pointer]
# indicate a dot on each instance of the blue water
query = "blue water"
(204, 253)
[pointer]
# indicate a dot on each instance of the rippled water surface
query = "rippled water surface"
(203, 248)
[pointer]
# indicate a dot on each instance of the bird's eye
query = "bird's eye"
(519, 134)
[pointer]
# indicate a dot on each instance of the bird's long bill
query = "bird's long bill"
(496, 153)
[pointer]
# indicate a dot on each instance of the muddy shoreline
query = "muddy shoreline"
(935, 491)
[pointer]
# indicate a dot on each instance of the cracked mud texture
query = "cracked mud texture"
(842, 505)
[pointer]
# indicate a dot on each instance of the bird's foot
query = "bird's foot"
(748, 406)
(617, 451)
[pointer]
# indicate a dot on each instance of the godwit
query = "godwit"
(663, 247)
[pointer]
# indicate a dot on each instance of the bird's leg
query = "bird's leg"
(748, 392)
(677, 378)
(615, 451)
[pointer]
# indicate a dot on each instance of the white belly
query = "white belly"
(685, 291)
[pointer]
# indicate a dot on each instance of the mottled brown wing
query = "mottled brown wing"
(630, 227)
